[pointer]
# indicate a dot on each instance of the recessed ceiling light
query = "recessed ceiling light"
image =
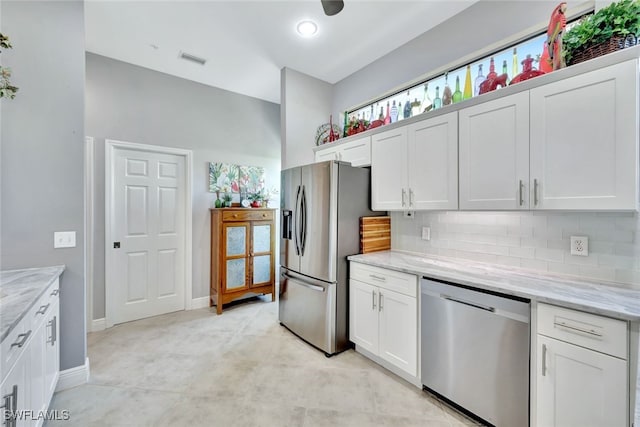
(307, 28)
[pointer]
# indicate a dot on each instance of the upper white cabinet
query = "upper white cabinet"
(494, 154)
(584, 141)
(357, 152)
(416, 166)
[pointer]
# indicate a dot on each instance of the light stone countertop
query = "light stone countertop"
(606, 298)
(19, 290)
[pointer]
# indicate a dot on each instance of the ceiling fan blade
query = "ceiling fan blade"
(332, 7)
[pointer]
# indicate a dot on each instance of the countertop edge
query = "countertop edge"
(592, 308)
(55, 275)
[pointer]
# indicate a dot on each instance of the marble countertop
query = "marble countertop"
(19, 290)
(606, 298)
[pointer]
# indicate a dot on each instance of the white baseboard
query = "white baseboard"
(98, 325)
(201, 302)
(73, 377)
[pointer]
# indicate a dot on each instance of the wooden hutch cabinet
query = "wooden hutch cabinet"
(242, 254)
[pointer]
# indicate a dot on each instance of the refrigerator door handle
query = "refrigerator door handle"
(303, 228)
(296, 222)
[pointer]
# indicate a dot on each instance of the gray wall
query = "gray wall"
(42, 153)
(305, 103)
(134, 104)
(477, 27)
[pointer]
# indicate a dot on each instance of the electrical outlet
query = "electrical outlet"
(426, 233)
(580, 245)
(409, 214)
(64, 239)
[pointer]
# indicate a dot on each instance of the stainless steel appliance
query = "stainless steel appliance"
(475, 351)
(320, 209)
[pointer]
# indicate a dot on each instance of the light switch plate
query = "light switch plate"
(64, 239)
(580, 245)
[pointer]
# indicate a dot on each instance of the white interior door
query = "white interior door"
(146, 273)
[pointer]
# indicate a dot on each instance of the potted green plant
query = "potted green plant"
(611, 28)
(7, 90)
(227, 200)
(256, 199)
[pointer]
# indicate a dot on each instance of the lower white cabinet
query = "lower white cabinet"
(32, 375)
(577, 385)
(382, 321)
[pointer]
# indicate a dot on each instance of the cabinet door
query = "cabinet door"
(36, 352)
(494, 154)
(356, 152)
(584, 140)
(51, 352)
(389, 176)
(363, 315)
(329, 153)
(14, 389)
(262, 271)
(399, 330)
(579, 387)
(433, 163)
(235, 250)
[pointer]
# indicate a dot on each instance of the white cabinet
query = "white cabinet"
(357, 152)
(584, 141)
(415, 167)
(581, 369)
(31, 356)
(383, 315)
(494, 154)
(14, 391)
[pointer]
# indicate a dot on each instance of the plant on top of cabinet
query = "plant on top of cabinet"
(611, 28)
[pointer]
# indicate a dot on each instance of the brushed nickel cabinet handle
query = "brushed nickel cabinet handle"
(22, 338)
(410, 198)
(373, 300)
(535, 192)
(520, 188)
(380, 301)
(544, 360)
(404, 194)
(43, 309)
(381, 278)
(55, 292)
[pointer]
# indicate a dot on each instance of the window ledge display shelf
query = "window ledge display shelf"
(574, 70)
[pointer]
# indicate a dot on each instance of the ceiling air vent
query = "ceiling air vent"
(192, 58)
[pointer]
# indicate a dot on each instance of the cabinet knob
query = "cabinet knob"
(264, 215)
(235, 215)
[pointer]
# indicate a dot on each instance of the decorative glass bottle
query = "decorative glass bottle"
(478, 82)
(427, 104)
(446, 93)
(415, 107)
(381, 116)
(514, 64)
(504, 70)
(437, 102)
(407, 107)
(394, 112)
(468, 88)
(387, 117)
(492, 70)
(457, 95)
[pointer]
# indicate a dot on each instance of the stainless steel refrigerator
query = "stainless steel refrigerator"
(320, 209)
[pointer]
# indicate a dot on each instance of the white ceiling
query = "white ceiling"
(247, 43)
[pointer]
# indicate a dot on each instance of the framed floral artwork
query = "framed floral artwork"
(230, 178)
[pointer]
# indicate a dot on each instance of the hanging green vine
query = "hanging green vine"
(7, 90)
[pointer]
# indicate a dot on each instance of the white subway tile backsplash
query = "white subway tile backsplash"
(522, 252)
(535, 240)
(553, 255)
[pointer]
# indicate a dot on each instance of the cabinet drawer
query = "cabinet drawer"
(587, 330)
(247, 215)
(403, 283)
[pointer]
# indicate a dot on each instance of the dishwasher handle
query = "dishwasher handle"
(470, 304)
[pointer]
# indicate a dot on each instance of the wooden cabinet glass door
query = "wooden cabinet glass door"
(236, 253)
(261, 254)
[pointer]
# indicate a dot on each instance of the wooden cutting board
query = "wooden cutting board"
(375, 234)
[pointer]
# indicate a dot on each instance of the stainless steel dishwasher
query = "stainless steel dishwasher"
(475, 351)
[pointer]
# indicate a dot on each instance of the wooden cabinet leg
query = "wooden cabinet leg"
(218, 307)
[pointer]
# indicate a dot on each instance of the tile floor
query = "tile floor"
(194, 368)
